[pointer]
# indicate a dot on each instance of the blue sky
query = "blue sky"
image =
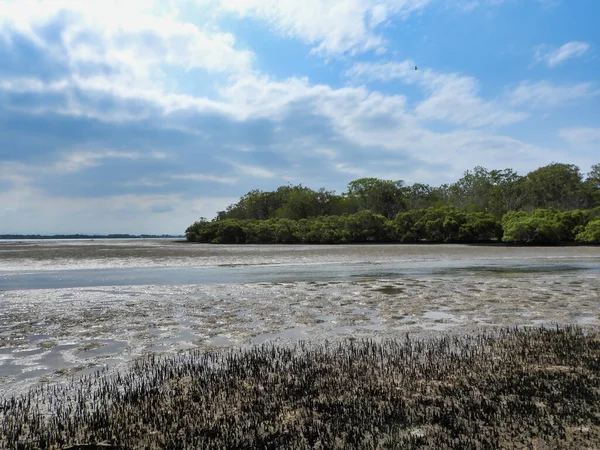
(142, 116)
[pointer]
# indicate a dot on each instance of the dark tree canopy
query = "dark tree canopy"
(556, 186)
(551, 204)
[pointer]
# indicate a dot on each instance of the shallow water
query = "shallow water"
(67, 308)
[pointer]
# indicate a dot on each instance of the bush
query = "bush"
(543, 228)
(591, 234)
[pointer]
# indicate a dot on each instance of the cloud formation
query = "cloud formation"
(554, 57)
(332, 27)
(543, 94)
(451, 97)
(142, 117)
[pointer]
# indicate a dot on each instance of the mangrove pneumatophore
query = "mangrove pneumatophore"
(504, 388)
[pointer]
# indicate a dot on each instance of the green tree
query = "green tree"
(447, 224)
(556, 186)
(591, 233)
(495, 191)
(520, 227)
(365, 226)
(196, 231)
(592, 186)
(383, 197)
(403, 227)
(472, 190)
(229, 231)
(422, 196)
(483, 204)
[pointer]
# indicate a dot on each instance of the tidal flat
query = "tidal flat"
(511, 388)
(71, 308)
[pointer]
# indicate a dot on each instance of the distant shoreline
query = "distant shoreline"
(88, 236)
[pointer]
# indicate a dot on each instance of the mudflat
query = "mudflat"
(70, 307)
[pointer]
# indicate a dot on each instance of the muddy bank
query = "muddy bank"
(49, 335)
(97, 254)
(511, 388)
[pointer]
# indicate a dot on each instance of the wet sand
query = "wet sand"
(16, 256)
(48, 335)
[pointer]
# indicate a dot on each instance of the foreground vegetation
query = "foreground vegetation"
(549, 205)
(513, 388)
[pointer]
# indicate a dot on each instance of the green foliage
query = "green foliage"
(574, 222)
(193, 232)
(547, 226)
(403, 227)
(556, 186)
(592, 185)
(422, 196)
(290, 202)
(383, 197)
(364, 226)
(591, 233)
(542, 227)
(445, 224)
(495, 191)
(543, 207)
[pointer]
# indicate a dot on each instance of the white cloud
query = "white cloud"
(19, 173)
(554, 57)
(354, 171)
(328, 153)
(451, 97)
(33, 85)
(455, 99)
(348, 108)
(467, 148)
(380, 125)
(582, 138)
(144, 182)
(78, 92)
(77, 161)
(259, 96)
(358, 122)
(335, 27)
(204, 177)
(120, 52)
(357, 170)
(386, 71)
(254, 171)
(25, 208)
(135, 40)
(545, 94)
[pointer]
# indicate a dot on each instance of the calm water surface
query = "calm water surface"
(64, 264)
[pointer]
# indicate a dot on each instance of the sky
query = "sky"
(142, 116)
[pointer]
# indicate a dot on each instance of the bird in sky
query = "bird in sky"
(416, 68)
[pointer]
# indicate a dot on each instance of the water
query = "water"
(344, 271)
(69, 307)
(69, 264)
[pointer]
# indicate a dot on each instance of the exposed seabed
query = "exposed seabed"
(153, 341)
(507, 388)
(48, 335)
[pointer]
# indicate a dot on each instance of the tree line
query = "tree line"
(552, 204)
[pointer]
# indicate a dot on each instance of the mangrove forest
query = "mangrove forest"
(550, 205)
